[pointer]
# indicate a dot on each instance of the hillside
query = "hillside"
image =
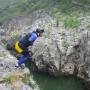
(9, 8)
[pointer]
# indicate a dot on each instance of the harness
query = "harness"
(22, 44)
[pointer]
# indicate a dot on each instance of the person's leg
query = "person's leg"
(22, 59)
(25, 56)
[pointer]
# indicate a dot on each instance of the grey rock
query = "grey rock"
(8, 71)
(60, 51)
(75, 61)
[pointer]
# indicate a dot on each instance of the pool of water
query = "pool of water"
(47, 82)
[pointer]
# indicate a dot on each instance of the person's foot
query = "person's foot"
(16, 65)
(22, 66)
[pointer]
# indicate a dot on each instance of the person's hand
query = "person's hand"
(30, 54)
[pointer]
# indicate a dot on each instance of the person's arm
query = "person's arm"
(32, 38)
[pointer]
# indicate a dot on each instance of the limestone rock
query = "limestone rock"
(10, 76)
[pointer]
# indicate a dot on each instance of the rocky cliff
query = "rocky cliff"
(60, 52)
(12, 78)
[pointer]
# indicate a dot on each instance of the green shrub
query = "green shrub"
(26, 78)
(24, 7)
(48, 29)
(65, 44)
(58, 18)
(84, 1)
(71, 22)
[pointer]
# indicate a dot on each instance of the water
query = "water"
(47, 82)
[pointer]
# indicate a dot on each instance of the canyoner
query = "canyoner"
(21, 46)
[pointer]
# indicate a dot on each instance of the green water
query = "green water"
(47, 82)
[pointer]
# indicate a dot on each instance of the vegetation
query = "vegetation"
(59, 18)
(11, 79)
(48, 28)
(71, 22)
(65, 44)
(11, 8)
(15, 35)
(85, 1)
(26, 78)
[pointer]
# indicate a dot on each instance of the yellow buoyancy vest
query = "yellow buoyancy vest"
(18, 49)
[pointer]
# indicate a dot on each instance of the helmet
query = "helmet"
(38, 30)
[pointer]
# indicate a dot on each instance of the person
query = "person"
(22, 45)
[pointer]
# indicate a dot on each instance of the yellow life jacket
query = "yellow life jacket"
(18, 49)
